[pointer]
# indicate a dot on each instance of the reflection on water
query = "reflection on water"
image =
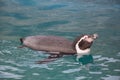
(86, 59)
(67, 18)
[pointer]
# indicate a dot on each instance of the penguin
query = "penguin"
(58, 46)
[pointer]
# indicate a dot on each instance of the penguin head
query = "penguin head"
(82, 44)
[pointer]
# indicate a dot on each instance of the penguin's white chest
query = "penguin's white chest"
(82, 52)
(79, 51)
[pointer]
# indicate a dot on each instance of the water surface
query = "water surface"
(66, 18)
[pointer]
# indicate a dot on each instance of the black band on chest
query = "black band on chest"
(84, 44)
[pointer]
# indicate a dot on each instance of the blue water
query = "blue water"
(66, 18)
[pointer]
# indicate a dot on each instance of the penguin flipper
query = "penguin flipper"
(50, 58)
(21, 46)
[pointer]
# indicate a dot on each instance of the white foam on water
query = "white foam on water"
(4, 67)
(108, 59)
(13, 62)
(1, 53)
(6, 51)
(97, 56)
(79, 78)
(45, 66)
(103, 65)
(109, 77)
(36, 74)
(10, 75)
(71, 70)
(117, 70)
(112, 60)
(95, 72)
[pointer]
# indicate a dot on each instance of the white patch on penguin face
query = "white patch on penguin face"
(95, 36)
(88, 39)
(78, 50)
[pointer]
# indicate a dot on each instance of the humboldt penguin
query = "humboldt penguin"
(58, 46)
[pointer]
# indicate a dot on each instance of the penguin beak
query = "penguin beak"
(95, 36)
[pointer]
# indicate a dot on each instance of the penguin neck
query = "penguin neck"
(81, 46)
(81, 51)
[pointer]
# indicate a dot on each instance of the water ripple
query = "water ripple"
(109, 77)
(80, 78)
(68, 18)
(10, 75)
(71, 70)
(95, 72)
(4, 67)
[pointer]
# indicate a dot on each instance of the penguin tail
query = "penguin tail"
(21, 40)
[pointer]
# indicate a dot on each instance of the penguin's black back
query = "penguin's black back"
(49, 43)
